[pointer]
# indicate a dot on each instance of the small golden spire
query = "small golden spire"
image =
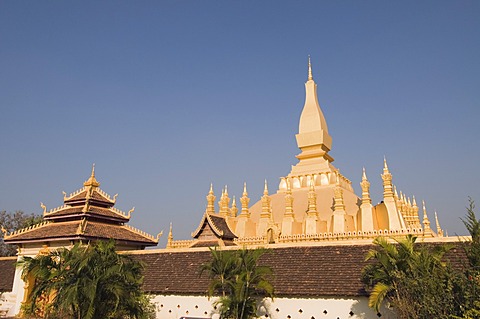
(170, 237)
(426, 223)
(266, 203)
(439, 229)
(245, 200)
(365, 185)
(310, 77)
(223, 203)
(312, 201)
(234, 209)
(92, 181)
(387, 181)
(288, 201)
(211, 201)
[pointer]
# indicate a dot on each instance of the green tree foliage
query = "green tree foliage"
(416, 281)
(14, 221)
(471, 286)
(87, 282)
(409, 278)
(238, 278)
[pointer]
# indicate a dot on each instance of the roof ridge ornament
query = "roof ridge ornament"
(92, 181)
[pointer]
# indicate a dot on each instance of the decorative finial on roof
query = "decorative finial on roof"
(385, 166)
(159, 235)
(265, 190)
(130, 212)
(4, 231)
(92, 181)
(245, 189)
(44, 208)
(310, 77)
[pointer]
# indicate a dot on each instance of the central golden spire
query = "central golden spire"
(312, 138)
(310, 77)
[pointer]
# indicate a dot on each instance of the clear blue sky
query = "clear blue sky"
(168, 96)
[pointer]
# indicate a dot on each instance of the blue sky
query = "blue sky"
(166, 97)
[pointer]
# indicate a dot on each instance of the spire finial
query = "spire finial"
(310, 77)
(385, 166)
(92, 181)
(364, 175)
(211, 201)
(265, 190)
(439, 229)
(245, 200)
(170, 237)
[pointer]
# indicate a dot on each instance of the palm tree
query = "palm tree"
(88, 282)
(220, 269)
(406, 276)
(240, 279)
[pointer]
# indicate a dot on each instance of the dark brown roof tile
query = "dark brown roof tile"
(7, 271)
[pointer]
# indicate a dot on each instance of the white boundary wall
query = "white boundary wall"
(175, 307)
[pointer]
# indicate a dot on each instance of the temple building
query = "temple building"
(316, 228)
(314, 202)
(86, 215)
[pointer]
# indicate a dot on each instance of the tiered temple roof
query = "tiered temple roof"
(87, 214)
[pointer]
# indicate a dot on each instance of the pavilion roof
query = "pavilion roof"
(80, 229)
